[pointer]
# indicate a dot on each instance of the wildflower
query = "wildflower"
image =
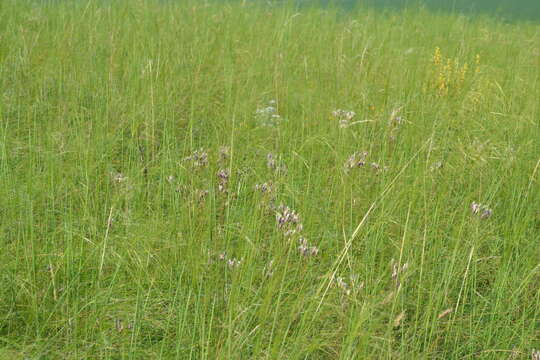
(395, 118)
(288, 221)
(355, 284)
(233, 263)
(463, 73)
(344, 117)
(266, 187)
(352, 287)
(378, 168)
(409, 51)
(344, 114)
(273, 164)
(223, 180)
(486, 213)
(305, 249)
(437, 56)
(199, 158)
(119, 326)
(268, 270)
(119, 178)
(357, 159)
(170, 179)
(397, 272)
(268, 116)
(224, 152)
(483, 210)
(201, 195)
(286, 215)
(223, 174)
(343, 285)
(270, 161)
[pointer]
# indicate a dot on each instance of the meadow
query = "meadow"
(209, 180)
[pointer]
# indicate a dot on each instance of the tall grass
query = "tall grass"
(118, 242)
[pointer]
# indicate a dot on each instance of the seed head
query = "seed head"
(436, 166)
(271, 161)
(444, 313)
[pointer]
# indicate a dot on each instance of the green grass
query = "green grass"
(105, 256)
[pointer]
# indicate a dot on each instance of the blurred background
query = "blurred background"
(508, 10)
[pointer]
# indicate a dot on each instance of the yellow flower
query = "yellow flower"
(437, 56)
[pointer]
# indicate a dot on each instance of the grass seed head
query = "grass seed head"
(445, 313)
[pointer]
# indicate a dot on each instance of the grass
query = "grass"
(119, 243)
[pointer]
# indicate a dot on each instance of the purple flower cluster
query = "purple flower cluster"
(482, 210)
(199, 158)
(223, 180)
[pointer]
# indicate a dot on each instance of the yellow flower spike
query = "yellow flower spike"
(437, 56)
(464, 70)
(477, 63)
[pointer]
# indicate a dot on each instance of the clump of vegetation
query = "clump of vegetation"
(179, 180)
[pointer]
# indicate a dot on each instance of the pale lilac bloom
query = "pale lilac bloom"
(199, 158)
(268, 116)
(479, 209)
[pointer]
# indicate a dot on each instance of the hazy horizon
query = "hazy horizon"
(505, 9)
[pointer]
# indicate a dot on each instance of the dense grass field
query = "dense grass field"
(183, 180)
